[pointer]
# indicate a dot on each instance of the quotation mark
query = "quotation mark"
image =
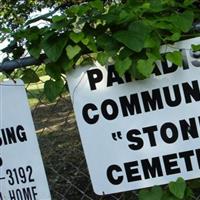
(116, 136)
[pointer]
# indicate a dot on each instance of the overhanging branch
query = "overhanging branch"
(21, 63)
(45, 16)
(29, 61)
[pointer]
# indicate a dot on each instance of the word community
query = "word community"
(151, 101)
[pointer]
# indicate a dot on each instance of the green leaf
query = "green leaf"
(32, 33)
(188, 2)
(53, 89)
(174, 37)
(83, 9)
(34, 49)
(152, 41)
(74, 9)
(102, 58)
(29, 76)
(53, 46)
(121, 66)
(106, 42)
(153, 54)
(175, 57)
(85, 41)
(65, 64)
(188, 193)
(98, 4)
(124, 53)
(53, 70)
(134, 38)
(182, 21)
(5, 30)
(76, 37)
(145, 67)
(72, 51)
(92, 45)
(178, 188)
(130, 39)
(58, 18)
(168, 196)
(196, 47)
(155, 193)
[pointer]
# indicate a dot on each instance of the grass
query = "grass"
(35, 92)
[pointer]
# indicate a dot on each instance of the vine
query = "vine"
(128, 34)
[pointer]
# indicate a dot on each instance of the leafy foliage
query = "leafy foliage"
(125, 32)
(128, 33)
(176, 190)
(175, 57)
(154, 193)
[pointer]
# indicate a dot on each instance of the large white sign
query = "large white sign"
(22, 175)
(137, 134)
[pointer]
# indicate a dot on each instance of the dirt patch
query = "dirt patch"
(62, 152)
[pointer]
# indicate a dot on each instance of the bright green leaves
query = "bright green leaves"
(129, 33)
(98, 4)
(178, 188)
(196, 47)
(121, 66)
(102, 58)
(72, 51)
(58, 18)
(128, 39)
(134, 37)
(76, 37)
(145, 67)
(29, 76)
(174, 37)
(175, 57)
(175, 191)
(53, 89)
(53, 45)
(155, 193)
(182, 21)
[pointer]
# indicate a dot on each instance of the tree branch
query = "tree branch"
(45, 16)
(21, 63)
(29, 61)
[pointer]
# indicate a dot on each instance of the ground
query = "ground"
(62, 151)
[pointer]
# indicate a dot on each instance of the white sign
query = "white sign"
(22, 174)
(141, 133)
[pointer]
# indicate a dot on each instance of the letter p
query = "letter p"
(94, 76)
